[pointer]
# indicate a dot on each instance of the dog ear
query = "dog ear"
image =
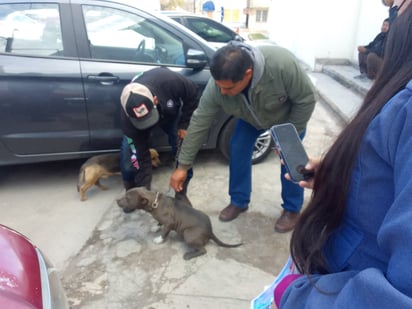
(144, 198)
(145, 194)
(143, 201)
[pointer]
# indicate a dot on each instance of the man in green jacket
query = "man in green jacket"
(260, 86)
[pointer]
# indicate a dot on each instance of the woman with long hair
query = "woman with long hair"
(353, 243)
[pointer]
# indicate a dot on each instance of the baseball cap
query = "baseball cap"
(138, 104)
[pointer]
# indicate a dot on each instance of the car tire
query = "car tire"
(264, 143)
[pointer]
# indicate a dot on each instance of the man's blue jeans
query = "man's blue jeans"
(240, 179)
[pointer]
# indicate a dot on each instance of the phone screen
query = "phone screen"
(291, 150)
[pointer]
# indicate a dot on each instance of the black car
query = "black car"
(209, 29)
(64, 63)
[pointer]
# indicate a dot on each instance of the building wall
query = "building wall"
(325, 29)
(257, 26)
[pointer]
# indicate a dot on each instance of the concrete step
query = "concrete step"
(337, 86)
(342, 100)
(345, 74)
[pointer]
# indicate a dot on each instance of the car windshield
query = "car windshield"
(208, 31)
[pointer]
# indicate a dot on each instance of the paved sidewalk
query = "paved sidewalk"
(121, 267)
(107, 258)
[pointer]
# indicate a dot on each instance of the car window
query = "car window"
(209, 30)
(31, 29)
(119, 35)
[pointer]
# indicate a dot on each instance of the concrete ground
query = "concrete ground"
(120, 267)
(107, 259)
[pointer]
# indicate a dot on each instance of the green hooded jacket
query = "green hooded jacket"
(280, 92)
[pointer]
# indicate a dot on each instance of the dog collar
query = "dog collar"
(155, 202)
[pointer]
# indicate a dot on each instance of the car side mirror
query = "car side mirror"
(196, 59)
(238, 38)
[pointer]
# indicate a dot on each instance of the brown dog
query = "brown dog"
(192, 224)
(154, 155)
(103, 166)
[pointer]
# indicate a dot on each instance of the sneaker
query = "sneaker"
(286, 221)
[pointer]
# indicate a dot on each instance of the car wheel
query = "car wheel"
(264, 143)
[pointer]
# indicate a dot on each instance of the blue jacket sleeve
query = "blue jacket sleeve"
(364, 289)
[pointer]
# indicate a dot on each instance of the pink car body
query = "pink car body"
(27, 279)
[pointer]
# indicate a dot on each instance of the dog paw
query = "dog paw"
(158, 240)
(155, 228)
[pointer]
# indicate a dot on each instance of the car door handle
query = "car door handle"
(105, 80)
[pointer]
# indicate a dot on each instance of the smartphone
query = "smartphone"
(291, 151)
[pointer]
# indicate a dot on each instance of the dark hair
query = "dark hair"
(231, 62)
(326, 208)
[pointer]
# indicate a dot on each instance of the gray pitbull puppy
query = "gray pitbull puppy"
(174, 215)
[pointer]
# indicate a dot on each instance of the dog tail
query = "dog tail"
(222, 244)
(81, 179)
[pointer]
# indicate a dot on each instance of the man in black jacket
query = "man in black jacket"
(158, 97)
(371, 56)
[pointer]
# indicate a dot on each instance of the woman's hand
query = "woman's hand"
(311, 166)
